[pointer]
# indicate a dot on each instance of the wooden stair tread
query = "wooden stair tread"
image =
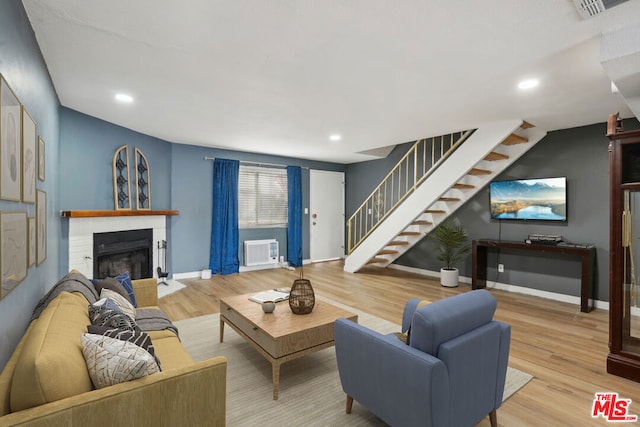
(449, 199)
(397, 243)
(477, 171)
(463, 186)
(376, 260)
(514, 139)
(422, 222)
(526, 125)
(387, 252)
(435, 211)
(493, 156)
(409, 233)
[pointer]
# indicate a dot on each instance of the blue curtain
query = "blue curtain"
(294, 223)
(224, 223)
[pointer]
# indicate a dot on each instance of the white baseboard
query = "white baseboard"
(603, 305)
(243, 269)
(188, 275)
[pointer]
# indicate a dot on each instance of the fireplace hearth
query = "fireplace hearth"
(117, 252)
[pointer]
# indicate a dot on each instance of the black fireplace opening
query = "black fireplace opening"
(117, 252)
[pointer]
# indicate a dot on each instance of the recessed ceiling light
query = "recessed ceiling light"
(124, 98)
(335, 138)
(528, 84)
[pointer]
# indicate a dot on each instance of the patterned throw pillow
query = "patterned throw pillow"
(112, 361)
(125, 306)
(106, 303)
(113, 319)
(125, 281)
(139, 338)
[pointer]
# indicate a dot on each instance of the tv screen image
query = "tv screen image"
(529, 199)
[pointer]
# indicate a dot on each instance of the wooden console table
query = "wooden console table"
(587, 256)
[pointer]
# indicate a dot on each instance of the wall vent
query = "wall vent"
(591, 8)
(260, 252)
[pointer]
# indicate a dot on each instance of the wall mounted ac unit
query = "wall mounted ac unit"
(260, 252)
(590, 8)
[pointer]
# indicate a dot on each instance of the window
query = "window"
(262, 197)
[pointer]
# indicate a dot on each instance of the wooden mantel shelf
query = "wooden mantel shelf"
(105, 213)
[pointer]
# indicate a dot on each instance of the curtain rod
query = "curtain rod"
(258, 163)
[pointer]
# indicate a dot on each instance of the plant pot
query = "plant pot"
(449, 277)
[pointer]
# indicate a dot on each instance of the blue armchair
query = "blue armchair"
(451, 372)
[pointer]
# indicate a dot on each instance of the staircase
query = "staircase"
(430, 182)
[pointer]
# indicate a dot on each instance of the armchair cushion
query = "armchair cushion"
(449, 318)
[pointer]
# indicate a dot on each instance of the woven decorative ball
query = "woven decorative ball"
(301, 297)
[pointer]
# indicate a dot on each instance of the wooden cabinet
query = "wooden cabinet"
(624, 251)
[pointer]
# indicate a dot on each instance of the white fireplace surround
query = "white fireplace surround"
(81, 232)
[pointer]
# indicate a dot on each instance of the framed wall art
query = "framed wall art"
(121, 187)
(28, 158)
(143, 181)
(10, 140)
(31, 221)
(13, 249)
(41, 157)
(41, 226)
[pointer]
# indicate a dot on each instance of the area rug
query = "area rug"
(171, 287)
(310, 391)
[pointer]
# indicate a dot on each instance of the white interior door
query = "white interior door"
(326, 215)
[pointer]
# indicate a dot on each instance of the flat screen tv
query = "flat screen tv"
(543, 199)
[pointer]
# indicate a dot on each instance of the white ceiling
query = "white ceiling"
(280, 76)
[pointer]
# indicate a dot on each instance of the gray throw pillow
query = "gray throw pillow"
(112, 284)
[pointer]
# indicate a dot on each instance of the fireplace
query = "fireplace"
(83, 225)
(119, 251)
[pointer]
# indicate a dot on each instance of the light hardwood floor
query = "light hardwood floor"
(565, 350)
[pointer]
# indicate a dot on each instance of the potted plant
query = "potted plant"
(452, 246)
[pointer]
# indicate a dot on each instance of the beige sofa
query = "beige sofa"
(46, 382)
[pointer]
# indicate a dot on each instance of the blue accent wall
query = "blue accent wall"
(191, 191)
(86, 162)
(23, 67)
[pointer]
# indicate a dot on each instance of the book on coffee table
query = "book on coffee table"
(271, 295)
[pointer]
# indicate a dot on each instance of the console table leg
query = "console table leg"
(221, 329)
(479, 267)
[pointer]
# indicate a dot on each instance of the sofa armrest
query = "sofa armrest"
(193, 396)
(146, 292)
(374, 367)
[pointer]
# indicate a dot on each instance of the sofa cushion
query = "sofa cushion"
(171, 352)
(112, 361)
(51, 366)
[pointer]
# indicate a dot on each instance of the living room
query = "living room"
(79, 150)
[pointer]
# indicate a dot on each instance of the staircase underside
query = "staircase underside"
(478, 161)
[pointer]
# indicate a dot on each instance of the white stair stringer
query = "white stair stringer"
(390, 239)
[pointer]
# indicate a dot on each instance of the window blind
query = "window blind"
(262, 197)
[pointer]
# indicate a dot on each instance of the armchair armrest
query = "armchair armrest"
(397, 382)
(146, 292)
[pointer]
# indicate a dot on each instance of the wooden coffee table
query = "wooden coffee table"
(281, 336)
